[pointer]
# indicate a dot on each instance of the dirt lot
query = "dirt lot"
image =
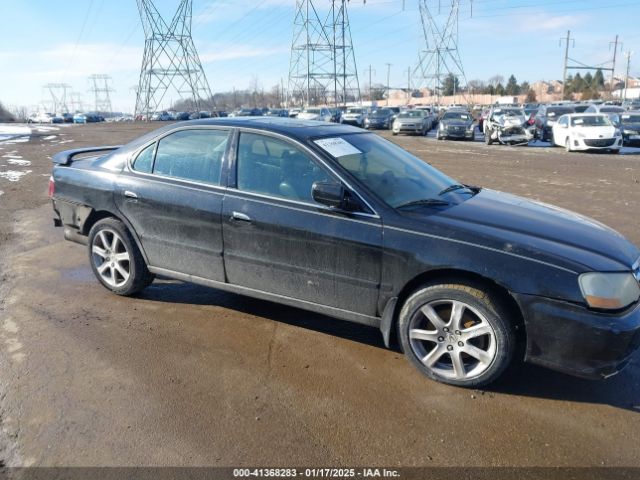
(186, 375)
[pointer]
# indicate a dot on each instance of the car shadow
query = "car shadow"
(173, 291)
(620, 391)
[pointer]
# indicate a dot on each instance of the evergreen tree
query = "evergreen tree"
(499, 89)
(512, 87)
(588, 81)
(450, 85)
(598, 79)
(531, 96)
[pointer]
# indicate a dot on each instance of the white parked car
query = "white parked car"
(586, 131)
(354, 116)
(40, 117)
(322, 114)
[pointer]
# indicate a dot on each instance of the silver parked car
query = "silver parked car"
(411, 121)
(355, 116)
(322, 114)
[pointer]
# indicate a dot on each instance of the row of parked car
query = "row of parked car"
(579, 126)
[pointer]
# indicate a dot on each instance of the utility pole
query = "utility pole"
(613, 65)
(566, 60)
(370, 85)
(626, 79)
(388, 74)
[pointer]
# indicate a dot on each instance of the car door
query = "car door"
(561, 131)
(171, 194)
(279, 240)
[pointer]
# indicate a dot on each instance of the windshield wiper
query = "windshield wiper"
(425, 201)
(458, 186)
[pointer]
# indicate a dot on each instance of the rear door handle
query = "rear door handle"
(240, 217)
(130, 194)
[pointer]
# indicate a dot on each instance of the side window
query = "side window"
(564, 121)
(192, 155)
(274, 167)
(144, 162)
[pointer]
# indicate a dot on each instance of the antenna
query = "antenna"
(170, 60)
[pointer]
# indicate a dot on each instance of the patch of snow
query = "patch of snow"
(50, 137)
(13, 175)
(11, 155)
(47, 129)
(19, 162)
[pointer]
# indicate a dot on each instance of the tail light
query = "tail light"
(52, 186)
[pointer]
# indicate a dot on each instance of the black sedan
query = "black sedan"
(337, 220)
(456, 124)
(630, 126)
(381, 118)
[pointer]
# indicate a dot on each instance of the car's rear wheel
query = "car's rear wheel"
(115, 258)
(456, 334)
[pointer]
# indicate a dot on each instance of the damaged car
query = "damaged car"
(337, 220)
(507, 126)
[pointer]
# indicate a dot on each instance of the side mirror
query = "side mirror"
(330, 194)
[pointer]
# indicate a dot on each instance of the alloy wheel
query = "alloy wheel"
(452, 339)
(111, 258)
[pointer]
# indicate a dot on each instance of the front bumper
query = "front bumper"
(352, 121)
(575, 340)
(581, 144)
(456, 133)
(410, 128)
(376, 124)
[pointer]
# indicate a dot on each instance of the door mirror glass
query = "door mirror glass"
(330, 194)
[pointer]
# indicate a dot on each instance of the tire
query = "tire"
(394, 133)
(567, 145)
(473, 136)
(615, 151)
(115, 258)
(471, 349)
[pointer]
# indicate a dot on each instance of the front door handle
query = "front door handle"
(130, 194)
(240, 217)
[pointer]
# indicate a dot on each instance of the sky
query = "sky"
(241, 40)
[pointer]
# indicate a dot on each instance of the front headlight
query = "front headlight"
(630, 132)
(609, 291)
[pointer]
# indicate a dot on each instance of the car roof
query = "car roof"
(298, 129)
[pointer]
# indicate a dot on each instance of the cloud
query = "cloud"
(236, 52)
(547, 21)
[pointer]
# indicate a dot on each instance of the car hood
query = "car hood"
(536, 230)
(457, 123)
(351, 115)
(631, 126)
(596, 132)
(409, 120)
(308, 116)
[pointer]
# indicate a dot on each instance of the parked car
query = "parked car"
(336, 114)
(507, 126)
(182, 116)
(321, 114)
(348, 224)
(80, 118)
(411, 121)
(546, 117)
(247, 112)
(293, 113)
(277, 112)
(163, 116)
(630, 127)
(586, 131)
(354, 116)
(379, 118)
(456, 123)
(610, 110)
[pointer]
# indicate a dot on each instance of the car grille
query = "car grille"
(600, 142)
(456, 129)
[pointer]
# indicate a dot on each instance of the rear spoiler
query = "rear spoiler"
(66, 157)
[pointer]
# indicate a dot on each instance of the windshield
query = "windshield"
(557, 112)
(611, 109)
(381, 113)
(626, 118)
(456, 116)
(412, 114)
(390, 172)
(591, 121)
(354, 110)
(510, 112)
(312, 110)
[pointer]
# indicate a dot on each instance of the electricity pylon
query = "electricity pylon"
(101, 90)
(322, 68)
(441, 57)
(170, 60)
(58, 97)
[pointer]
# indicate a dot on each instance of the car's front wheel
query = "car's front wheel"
(115, 258)
(567, 145)
(456, 334)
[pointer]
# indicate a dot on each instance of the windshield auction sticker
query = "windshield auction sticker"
(337, 147)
